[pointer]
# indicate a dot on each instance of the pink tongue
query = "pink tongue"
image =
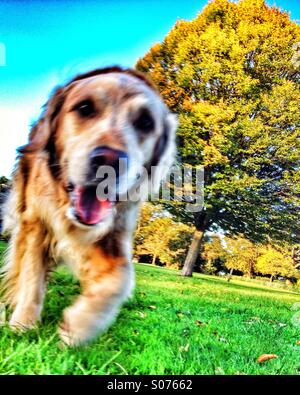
(89, 209)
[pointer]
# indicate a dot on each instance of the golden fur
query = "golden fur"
(39, 214)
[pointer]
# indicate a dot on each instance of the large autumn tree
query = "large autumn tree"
(231, 76)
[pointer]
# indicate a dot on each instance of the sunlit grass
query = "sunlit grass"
(173, 325)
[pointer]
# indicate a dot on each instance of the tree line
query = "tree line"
(4, 188)
(161, 240)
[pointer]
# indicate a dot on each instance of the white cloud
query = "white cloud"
(16, 118)
(14, 128)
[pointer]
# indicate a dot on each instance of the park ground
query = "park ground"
(173, 325)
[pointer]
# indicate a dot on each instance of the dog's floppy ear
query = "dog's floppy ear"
(164, 152)
(44, 128)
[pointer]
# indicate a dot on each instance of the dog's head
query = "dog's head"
(112, 118)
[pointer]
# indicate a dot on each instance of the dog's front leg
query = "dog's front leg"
(107, 282)
(25, 274)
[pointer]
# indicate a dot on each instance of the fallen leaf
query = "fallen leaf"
(298, 343)
(249, 322)
(143, 315)
(222, 339)
(266, 357)
(219, 371)
(199, 323)
(184, 349)
(180, 315)
(152, 307)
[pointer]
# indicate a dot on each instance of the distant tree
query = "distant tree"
(241, 255)
(4, 188)
(296, 256)
(214, 254)
(147, 214)
(161, 237)
(275, 262)
(3, 182)
(230, 76)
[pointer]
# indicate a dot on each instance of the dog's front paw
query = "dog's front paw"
(67, 337)
(74, 329)
(24, 319)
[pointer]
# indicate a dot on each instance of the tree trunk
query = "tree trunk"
(271, 278)
(230, 275)
(202, 222)
(251, 270)
(154, 259)
(193, 252)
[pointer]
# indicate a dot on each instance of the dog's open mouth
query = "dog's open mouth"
(90, 210)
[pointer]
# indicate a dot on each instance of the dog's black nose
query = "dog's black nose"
(105, 156)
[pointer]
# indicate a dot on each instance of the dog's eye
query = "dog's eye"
(144, 122)
(85, 108)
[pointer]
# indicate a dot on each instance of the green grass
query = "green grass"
(173, 325)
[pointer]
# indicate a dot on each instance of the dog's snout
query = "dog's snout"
(105, 156)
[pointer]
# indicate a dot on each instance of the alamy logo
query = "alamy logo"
(182, 184)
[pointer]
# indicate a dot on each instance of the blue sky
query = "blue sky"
(47, 42)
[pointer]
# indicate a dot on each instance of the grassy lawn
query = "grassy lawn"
(172, 325)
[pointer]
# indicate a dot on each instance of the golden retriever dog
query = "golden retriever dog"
(54, 212)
